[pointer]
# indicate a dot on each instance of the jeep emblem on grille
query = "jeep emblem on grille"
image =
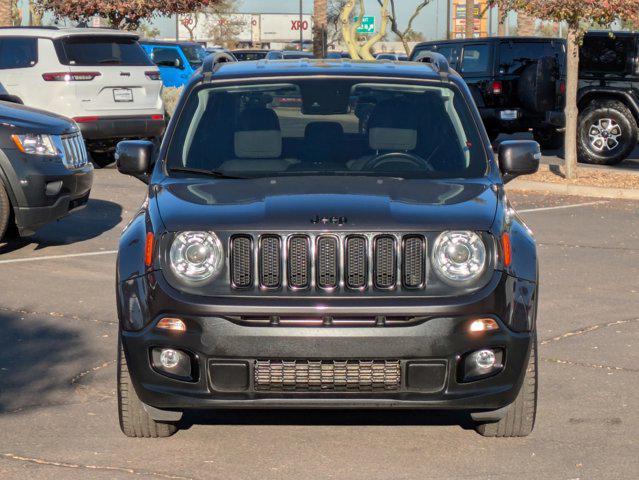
(329, 220)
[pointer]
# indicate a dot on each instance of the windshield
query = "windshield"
(195, 54)
(328, 127)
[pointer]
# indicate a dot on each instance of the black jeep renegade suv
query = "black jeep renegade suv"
(327, 234)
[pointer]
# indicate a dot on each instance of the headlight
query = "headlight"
(196, 256)
(459, 257)
(35, 144)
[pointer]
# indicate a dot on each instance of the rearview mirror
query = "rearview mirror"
(134, 157)
(518, 157)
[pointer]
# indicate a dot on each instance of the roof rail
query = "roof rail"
(212, 62)
(437, 60)
(37, 27)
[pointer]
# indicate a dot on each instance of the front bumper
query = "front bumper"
(114, 128)
(226, 352)
(46, 191)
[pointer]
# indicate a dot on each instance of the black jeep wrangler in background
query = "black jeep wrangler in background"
(327, 234)
(519, 84)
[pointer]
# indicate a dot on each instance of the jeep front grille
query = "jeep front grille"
(74, 152)
(327, 262)
(327, 375)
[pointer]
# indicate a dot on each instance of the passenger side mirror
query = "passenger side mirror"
(134, 157)
(518, 157)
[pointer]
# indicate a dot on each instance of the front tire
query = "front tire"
(519, 420)
(135, 422)
(5, 211)
(607, 133)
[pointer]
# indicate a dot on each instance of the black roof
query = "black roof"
(491, 39)
(168, 42)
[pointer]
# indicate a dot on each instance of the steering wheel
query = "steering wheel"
(377, 161)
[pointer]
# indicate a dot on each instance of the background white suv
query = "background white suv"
(101, 78)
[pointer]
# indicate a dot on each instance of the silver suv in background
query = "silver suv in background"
(100, 78)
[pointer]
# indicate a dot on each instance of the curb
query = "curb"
(574, 190)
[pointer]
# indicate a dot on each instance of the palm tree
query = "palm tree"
(470, 18)
(320, 27)
(5, 13)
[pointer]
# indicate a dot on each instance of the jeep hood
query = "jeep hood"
(291, 203)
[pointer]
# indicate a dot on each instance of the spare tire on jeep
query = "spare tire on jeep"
(538, 85)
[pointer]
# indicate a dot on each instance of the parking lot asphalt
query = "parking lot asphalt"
(58, 415)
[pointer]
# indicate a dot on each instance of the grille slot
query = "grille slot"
(356, 262)
(385, 262)
(413, 267)
(242, 262)
(327, 262)
(299, 262)
(270, 261)
(327, 375)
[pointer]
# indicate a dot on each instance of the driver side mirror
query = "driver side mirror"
(518, 157)
(135, 158)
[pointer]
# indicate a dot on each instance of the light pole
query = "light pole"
(301, 25)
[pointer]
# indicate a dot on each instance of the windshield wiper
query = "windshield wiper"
(202, 171)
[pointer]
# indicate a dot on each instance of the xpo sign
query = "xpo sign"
(285, 28)
(297, 25)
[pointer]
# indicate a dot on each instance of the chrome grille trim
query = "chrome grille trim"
(327, 262)
(356, 264)
(73, 151)
(270, 259)
(327, 375)
(242, 261)
(299, 262)
(385, 262)
(414, 262)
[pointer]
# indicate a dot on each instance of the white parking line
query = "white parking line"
(57, 257)
(562, 207)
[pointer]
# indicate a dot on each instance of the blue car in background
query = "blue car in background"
(177, 61)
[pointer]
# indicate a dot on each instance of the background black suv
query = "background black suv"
(526, 75)
(517, 82)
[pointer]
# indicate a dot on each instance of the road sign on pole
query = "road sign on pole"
(368, 25)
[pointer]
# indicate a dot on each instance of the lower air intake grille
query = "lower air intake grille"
(327, 258)
(270, 262)
(242, 262)
(356, 265)
(413, 269)
(306, 375)
(299, 262)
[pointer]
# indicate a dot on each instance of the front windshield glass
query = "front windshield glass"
(195, 54)
(328, 127)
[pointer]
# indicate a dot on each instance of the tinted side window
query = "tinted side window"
(476, 59)
(606, 54)
(96, 50)
(166, 57)
(451, 52)
(514, 57)
(18, 53)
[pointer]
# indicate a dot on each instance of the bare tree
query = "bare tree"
(350, 26)
(405, 35)
(190, 21)
(335, 8)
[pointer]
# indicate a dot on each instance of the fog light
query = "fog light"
(173, 324)
(482, 363)
(483, 358)
(483, 325)
(173, 363)
(170, 358)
